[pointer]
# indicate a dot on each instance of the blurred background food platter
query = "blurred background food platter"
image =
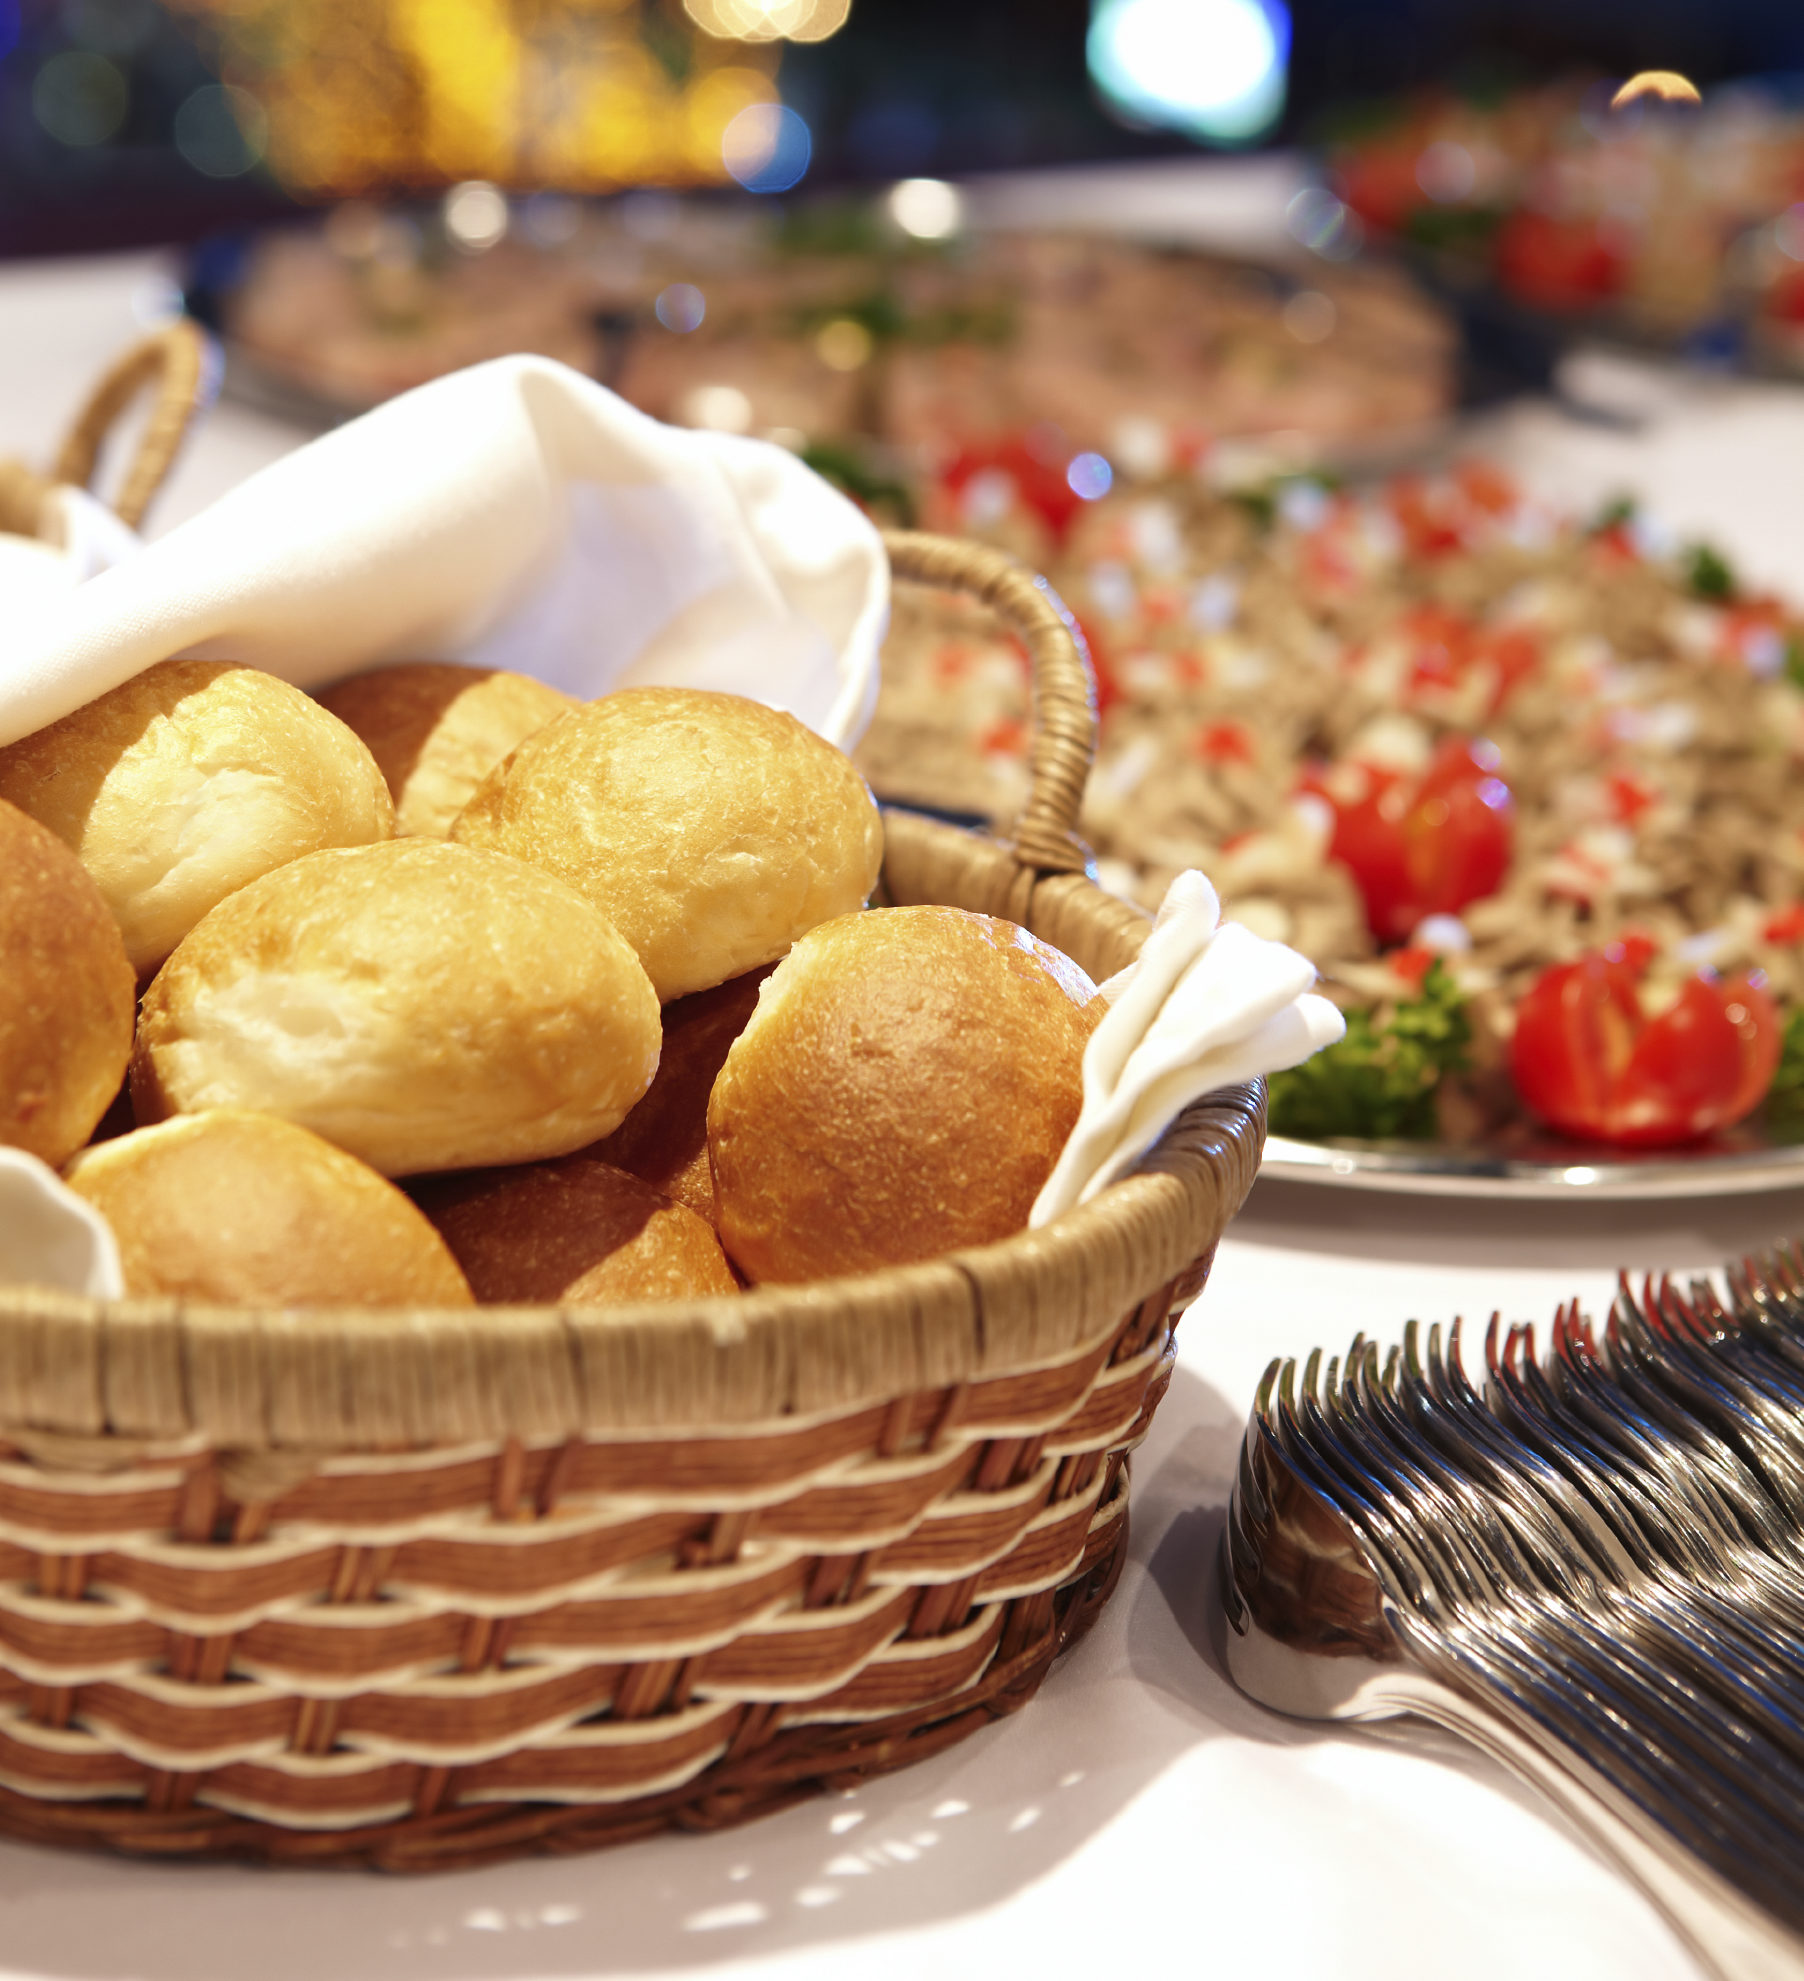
(882, 331)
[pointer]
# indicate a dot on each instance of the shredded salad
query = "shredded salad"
(1526, 788)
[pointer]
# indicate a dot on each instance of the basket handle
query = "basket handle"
(178, 361)
(1064, 727)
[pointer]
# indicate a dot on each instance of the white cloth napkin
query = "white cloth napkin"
(35, 576)
(51, 1237)
(512, 515)
(1205, 1004)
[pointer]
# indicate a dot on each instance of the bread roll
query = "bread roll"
(578, 1231)
(179, 786)
(903, 1088)
(437, 731)
(710, 830)
(247, 1210)
(425, 1006)
(664, 1141)
(67, 994)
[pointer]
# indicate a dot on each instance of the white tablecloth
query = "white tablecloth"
(1140, 1815)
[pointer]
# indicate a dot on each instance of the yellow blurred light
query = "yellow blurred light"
(844, 344)
(719, 408)
(366, 96)
(469, 57)
(1665, 84)
(713, 101)
(768, 20)
(825, 18)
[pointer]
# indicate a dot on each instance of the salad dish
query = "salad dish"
(1667, 221)
(1523, 786)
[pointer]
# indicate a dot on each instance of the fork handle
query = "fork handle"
(1727, 1932)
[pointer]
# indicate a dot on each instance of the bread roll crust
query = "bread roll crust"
(68, 995)
(246, 1210)
(664, 1141)
(903, 1088)
(436, 731)
(425, 1006)
(711, 830)
(576, 1232)
(186, 782)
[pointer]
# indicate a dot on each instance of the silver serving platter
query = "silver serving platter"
(1737, 1163)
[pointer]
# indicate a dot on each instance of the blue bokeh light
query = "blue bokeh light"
(767, 148)
(1089, 477)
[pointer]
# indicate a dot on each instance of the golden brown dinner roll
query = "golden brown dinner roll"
(664, 1141)
(424, 1006)
(903, 1088)
(179, 786)
(577, 1231)
(67, 994)
(710, 830)
(437, 731)
(244, 1209)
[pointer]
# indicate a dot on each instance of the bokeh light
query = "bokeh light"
(80, 98)
(1309, 316)
(1089, 477)
(719, 408)
(1215, 69)
(1446, 172)
(475, 216)
(1657, 85)
(769, 20)
(929, 209)
(681, 308)
(1324, 225)
(221, 130)
(767, 148)
(119, 28)
(844, 344)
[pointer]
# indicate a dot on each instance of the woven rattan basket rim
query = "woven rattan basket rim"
(144, 1374)
(178, 364)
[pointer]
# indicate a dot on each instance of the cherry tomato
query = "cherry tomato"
(1038, 472)
(1556, 264)
(1427, 846)
(1588, 1060)
(1378, 181)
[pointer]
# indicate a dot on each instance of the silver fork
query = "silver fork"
(1594, 1571)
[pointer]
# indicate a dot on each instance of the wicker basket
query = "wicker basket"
(423, 1589)
(177, 366)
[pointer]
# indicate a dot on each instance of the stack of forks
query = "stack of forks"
(1594, 1570)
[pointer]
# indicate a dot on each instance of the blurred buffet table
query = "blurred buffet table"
(1140, 1813)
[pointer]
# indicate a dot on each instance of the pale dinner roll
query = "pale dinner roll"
(710, 830)
(578, 1232)
(68, 995)
(903, 1088)
(664, 1141)
(438, 730)
(425, 1006)
(180, 785)
(247, 1210)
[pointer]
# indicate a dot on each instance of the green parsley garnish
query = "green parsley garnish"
(1708, 574)
(1620, 509)
(1785, 1097)
(846, 468)
(1378, 1083)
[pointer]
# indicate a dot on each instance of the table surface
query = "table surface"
(1141, 1811)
